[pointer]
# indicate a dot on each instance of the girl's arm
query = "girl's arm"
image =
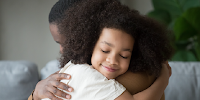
(154, 92)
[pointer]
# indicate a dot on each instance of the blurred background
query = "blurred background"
(25, 35)
(24, 29)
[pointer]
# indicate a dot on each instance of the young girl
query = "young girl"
(112, 39)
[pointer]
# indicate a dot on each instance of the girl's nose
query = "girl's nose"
(112, 59)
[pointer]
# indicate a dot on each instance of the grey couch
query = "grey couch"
(184, 84)
(18, 79)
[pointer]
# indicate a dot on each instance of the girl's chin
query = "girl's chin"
(109, 76)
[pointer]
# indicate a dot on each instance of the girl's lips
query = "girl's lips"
(109, 69)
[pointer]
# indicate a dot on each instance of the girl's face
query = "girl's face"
(112, 52)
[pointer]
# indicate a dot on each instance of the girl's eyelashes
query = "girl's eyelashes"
(109, 51)
(123, 57)
(105, 51)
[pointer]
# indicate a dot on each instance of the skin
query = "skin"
(111, 57)
(154, 92)
(58, 38)
(47, 88)
(112, 53)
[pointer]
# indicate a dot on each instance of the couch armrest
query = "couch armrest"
(184, 84)
(50, 68)
(18, 79)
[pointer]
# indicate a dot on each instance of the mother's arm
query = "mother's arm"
(137, 82)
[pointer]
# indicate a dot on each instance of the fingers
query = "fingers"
(62, 86)
(48, 87)
(55, 91)
(170, 70)
(165, 71)
(54, 83)
(60, 76)
(51, 96)
(168, 67)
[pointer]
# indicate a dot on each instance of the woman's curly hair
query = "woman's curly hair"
(84, 22)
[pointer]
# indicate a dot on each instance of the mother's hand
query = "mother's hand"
(48, 87)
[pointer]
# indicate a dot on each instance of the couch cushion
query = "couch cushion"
(18, 79)
(184, 84)
(50, 68)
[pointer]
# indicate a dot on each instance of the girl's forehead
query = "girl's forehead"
(114, 33)
(116, 38)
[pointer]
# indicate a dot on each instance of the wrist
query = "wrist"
(34, 96)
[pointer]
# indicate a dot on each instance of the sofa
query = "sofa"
(184, 84)
(18, 79)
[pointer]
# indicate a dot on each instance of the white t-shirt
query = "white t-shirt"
(89, 84)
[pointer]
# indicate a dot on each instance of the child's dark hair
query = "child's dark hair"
(58, 9)
(87, 19)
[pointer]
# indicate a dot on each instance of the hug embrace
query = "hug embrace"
(104, 40)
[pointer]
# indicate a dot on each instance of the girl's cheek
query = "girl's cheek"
(96, 56)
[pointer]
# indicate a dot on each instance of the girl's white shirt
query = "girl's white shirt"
(89, 84)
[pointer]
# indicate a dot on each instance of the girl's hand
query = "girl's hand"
(48, 87)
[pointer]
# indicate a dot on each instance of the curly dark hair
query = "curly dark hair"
(58, 9)
(84, 22)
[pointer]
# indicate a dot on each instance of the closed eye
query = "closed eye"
(58, 42)
(123, 57)
(105, 51)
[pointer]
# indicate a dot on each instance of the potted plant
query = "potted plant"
(182, 17)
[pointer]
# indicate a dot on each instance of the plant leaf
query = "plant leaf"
(171, 25)
(175, 7)
(182, 45)
(192, 16)
(184, 55)
(183, 30)
(161, 16)
(186, 4)
(197, 50)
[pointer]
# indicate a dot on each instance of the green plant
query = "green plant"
(182, 17)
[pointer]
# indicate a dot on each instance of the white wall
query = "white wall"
(24, 31)
(143, 6)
